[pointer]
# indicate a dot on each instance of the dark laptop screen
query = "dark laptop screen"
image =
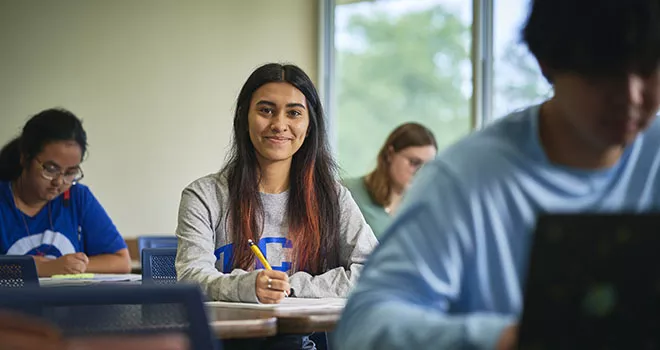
(593, 283)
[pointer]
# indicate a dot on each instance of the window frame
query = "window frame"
(481, 56)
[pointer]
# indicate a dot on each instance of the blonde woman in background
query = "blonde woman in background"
(379, 193)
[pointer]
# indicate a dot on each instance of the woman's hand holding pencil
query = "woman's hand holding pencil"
(271, 286)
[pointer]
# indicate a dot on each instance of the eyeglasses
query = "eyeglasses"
(50, 172)
(414, 163)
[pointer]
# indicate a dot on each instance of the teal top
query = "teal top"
(373, 213)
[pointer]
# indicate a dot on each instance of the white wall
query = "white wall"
(153, 80)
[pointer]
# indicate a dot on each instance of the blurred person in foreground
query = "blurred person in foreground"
(449, 271)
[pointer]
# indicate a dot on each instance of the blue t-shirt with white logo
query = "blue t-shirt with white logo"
(63, 226)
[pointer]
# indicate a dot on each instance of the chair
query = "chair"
(322, 340)
(123, 312)
(18, 271)
(158, 266)
(156, 242)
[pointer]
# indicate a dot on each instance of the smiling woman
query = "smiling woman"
(278, 189)
(45, 212)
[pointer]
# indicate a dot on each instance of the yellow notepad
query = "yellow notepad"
(75, 276)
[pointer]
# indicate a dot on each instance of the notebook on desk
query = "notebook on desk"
(288, 305)
(593, 283)
(88, 278)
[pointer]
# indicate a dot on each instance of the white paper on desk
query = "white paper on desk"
(287, 304)
(98, 278)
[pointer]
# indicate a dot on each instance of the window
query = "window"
(518, 81)
(395, 61)
(398, 61)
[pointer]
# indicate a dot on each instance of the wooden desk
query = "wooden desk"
(136, 267)
(307, 324)
(237, 323)
(289, 322)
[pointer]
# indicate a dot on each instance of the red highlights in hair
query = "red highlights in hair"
(243, 257)
(305, 233)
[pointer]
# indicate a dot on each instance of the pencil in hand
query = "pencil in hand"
(259, 255)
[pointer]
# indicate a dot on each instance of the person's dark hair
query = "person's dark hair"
(48, 126)
(594, 37)
(313, 207)
(378, 182)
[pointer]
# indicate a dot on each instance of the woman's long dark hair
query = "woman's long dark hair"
(313, 207)
(50, 125)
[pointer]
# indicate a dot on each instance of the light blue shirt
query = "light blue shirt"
(449, 271)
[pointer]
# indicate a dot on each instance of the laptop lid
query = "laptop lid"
(593, 283)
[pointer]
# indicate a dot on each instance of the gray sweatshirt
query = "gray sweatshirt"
(205, 247)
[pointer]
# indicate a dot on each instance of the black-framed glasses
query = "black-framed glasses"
(50, 172)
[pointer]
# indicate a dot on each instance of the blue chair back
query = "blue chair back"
(158, 266)
(18, 271)
(117, 310)
(144, 242)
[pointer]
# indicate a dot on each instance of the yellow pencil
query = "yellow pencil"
(259, 255)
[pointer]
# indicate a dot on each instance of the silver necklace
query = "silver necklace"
(27, 228)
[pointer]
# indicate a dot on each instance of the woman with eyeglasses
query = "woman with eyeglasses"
(379, 193)
(45, 212)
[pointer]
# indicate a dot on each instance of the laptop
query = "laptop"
(593, 283)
